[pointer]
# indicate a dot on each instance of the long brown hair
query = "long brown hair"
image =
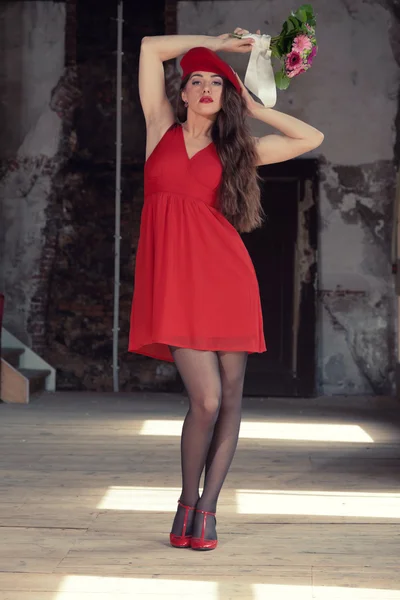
(239, 193)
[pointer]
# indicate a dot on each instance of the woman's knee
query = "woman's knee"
(206, 407)
(233, 369)
(232, 392)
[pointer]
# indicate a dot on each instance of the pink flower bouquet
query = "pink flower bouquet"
(295, 47)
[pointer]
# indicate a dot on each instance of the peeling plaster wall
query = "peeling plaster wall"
(351, 94)
(32, 62)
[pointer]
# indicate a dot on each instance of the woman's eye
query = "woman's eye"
(195, 82)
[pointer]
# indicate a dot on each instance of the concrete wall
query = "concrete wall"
(32, 37)
(351, 95)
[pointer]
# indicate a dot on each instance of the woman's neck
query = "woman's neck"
(198, 127)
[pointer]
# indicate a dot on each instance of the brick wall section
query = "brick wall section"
(81, 245)
(65, 99)
(170, 17)
(70, 33)
(37, 320)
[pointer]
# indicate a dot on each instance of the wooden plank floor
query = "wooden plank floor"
(89, 484)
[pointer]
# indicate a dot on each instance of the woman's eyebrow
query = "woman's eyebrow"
(200, 75)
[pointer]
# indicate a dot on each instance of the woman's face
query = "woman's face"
(203, 93)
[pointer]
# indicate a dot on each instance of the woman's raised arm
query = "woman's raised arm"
(157, 110)
(154, 51)
(298, 137)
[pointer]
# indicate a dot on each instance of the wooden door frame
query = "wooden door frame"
(306, 173)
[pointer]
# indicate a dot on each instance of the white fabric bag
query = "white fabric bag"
(259, 78)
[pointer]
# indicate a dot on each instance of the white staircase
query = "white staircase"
(23, 372)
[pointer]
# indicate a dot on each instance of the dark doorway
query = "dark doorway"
(284, 256)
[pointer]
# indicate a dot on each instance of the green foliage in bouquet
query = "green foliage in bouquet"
(295, 46)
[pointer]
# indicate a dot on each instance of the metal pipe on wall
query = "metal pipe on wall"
(117, 236)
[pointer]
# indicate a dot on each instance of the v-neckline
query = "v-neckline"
(190, 158)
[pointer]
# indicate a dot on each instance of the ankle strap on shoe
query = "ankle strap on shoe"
(205, 512)
(187, 507)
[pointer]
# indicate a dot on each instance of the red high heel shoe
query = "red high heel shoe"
(200, 543)
(182, 541)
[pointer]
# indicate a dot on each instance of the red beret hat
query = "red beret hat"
(203, 59)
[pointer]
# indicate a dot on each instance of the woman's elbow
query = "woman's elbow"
(313, 141)
(317, 139)
(149, 41)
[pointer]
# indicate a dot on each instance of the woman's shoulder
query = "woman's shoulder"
(156, 135)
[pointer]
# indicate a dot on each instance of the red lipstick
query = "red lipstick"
(206, 99)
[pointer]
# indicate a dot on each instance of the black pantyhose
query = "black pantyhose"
(214, 383)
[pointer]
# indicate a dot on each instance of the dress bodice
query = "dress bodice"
(169, 169)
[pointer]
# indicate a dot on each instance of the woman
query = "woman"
(196, 299)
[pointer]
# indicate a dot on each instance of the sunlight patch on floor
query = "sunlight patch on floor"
(159, 499)
(315, 503)
(91, 587)
(82, 587)
(264, 591)
(310, 432)
(263, 502)
(296, 592)
(346, 593)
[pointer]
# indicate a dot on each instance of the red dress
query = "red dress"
(195, 284)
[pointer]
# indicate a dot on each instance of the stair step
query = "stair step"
(36, 378)
(11, 355)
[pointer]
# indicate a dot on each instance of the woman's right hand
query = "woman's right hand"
(233, 44)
